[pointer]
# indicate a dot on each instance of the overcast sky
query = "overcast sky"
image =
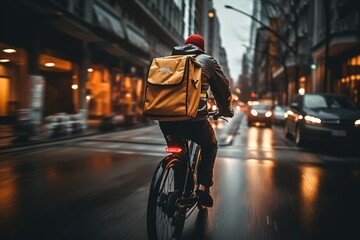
(235, 31)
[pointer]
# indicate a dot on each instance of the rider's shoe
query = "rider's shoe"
(204, 195)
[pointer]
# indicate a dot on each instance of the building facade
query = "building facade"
(307, 46)
(91, 57)
(75, 56)
(336, 48)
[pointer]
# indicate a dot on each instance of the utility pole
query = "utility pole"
(265, 27)
(327, 43)
(278, 36)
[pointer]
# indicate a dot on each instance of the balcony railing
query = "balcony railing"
(76, 7)
(346, 24)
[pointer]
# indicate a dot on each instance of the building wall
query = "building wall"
(320, 47)
(340, 32)
(100, 48)
(115, 39)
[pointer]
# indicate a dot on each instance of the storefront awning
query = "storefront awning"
(136, 39)
(109, 22)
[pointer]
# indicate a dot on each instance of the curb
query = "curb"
(233, 131)
(58, 141)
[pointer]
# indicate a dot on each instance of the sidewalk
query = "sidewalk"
(8, 143)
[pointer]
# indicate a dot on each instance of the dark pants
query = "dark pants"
(203, 134)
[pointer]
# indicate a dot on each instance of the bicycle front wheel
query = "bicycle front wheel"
(163, 219)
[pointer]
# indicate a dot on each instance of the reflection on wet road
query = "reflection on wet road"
(268, 200)
(264, 188)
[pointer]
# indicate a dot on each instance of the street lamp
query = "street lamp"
(278, 36)
(211, 13)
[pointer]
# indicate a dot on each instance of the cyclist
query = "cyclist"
(199, 129)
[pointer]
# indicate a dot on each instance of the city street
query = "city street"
(264, 188)
(80, 81)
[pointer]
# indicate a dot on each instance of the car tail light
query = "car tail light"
(173, 149)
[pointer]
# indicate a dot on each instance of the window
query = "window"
(314, 101)
(329, 102)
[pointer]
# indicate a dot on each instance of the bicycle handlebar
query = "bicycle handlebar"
(216, 116)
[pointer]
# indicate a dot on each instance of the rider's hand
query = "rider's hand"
(229, 114)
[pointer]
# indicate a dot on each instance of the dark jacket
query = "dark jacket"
(213, 76)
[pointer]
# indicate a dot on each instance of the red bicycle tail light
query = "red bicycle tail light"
(173, 149)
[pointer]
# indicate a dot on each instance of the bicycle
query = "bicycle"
(172, 198)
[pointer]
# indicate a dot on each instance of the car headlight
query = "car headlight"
(357, 123)
(312, 120)
(253, 112)
(268, 114)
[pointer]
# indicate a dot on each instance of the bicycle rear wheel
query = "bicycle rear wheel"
(163, 219)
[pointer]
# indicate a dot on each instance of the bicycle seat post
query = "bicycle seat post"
(186, 155)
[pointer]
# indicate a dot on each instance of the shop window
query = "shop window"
(4, 95)
(98, 96)
(350, 81)
(128, 94)
(51, 63)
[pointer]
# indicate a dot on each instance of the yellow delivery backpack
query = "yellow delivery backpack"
(172, 88)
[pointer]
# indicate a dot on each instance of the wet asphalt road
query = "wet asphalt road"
(96, 188)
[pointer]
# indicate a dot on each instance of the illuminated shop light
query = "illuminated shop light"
(74, 86)
(9, 50)
(50, 64)
(4, 60)
(90, 70)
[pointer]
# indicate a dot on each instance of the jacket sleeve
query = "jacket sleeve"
(220, 87)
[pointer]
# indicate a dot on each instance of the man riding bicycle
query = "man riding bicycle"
(199, 129)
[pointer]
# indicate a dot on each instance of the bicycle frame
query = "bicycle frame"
(189, 154)
(172, 197)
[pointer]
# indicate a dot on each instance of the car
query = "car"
(279, 114)
(260, 113)
(241, 106)
(322, 117)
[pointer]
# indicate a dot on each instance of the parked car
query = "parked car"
(322, 117)
(279, 114)
(260, 113)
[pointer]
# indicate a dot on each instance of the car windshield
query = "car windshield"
(279, 109)
(333, 102)
(258, 107)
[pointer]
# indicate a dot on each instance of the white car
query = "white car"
(279, 114)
